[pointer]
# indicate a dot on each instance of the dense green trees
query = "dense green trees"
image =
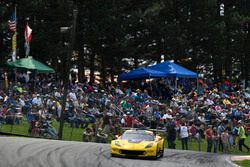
(193, 33)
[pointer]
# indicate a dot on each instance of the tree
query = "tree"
(193, 33)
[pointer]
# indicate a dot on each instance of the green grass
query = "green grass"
(75, 134)
(245, 163)
(192, 145)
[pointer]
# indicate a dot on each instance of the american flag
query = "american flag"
(12, 22)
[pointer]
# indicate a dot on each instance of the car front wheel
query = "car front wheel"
(162, 152)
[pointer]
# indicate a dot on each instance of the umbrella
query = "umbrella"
(30, 64)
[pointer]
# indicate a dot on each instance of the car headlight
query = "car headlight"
(117, 143)
(149, 145)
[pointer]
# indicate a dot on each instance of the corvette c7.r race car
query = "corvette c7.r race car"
(138, 143)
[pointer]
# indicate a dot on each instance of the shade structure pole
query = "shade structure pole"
(150, 86)
(15, 72)
(197, 83)
(176, 79)
(151, 114)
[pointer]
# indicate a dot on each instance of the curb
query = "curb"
(237, 158)
(240, 158)
(230, 161)
(233, 164)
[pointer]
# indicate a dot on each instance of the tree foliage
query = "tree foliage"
(110, 32)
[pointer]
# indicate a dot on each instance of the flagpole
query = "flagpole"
(15, 51)
(16, 29)
(14, 37)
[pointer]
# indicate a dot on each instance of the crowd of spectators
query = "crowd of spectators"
(219, 112)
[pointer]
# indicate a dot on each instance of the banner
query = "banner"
(13, 47)
(27, 48)
(14, 41)
(28, 37)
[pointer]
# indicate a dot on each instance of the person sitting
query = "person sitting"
(101, 137)
(49, 129)
(34, 128)
(87, 135)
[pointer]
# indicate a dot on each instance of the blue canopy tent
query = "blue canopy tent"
(173, 70)
(141, 73)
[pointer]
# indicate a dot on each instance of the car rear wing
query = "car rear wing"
(155, 130)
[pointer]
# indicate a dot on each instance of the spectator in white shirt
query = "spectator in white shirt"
(184, 136)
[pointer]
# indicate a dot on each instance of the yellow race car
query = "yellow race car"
(138, 143)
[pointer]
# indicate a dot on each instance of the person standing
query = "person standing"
(171, 135)
(184, 136)
(230, 141)
(107, 122)
(235, 134)
(198, 136)
(220, 130)
(242, 136)
(215, 139)
(209, 135)
(224, 139)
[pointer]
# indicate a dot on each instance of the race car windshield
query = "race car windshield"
(137, 136)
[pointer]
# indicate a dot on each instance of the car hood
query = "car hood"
(134, 144)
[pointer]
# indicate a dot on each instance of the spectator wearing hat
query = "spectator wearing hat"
(242, 136)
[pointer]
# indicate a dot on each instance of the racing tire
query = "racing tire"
(153, 157)
(162, 151)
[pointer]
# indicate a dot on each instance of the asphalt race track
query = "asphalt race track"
(26, 152)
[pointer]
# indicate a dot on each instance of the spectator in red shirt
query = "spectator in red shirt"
(209, 136)
(128, 120)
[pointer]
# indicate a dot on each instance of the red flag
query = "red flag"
(28, 33)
